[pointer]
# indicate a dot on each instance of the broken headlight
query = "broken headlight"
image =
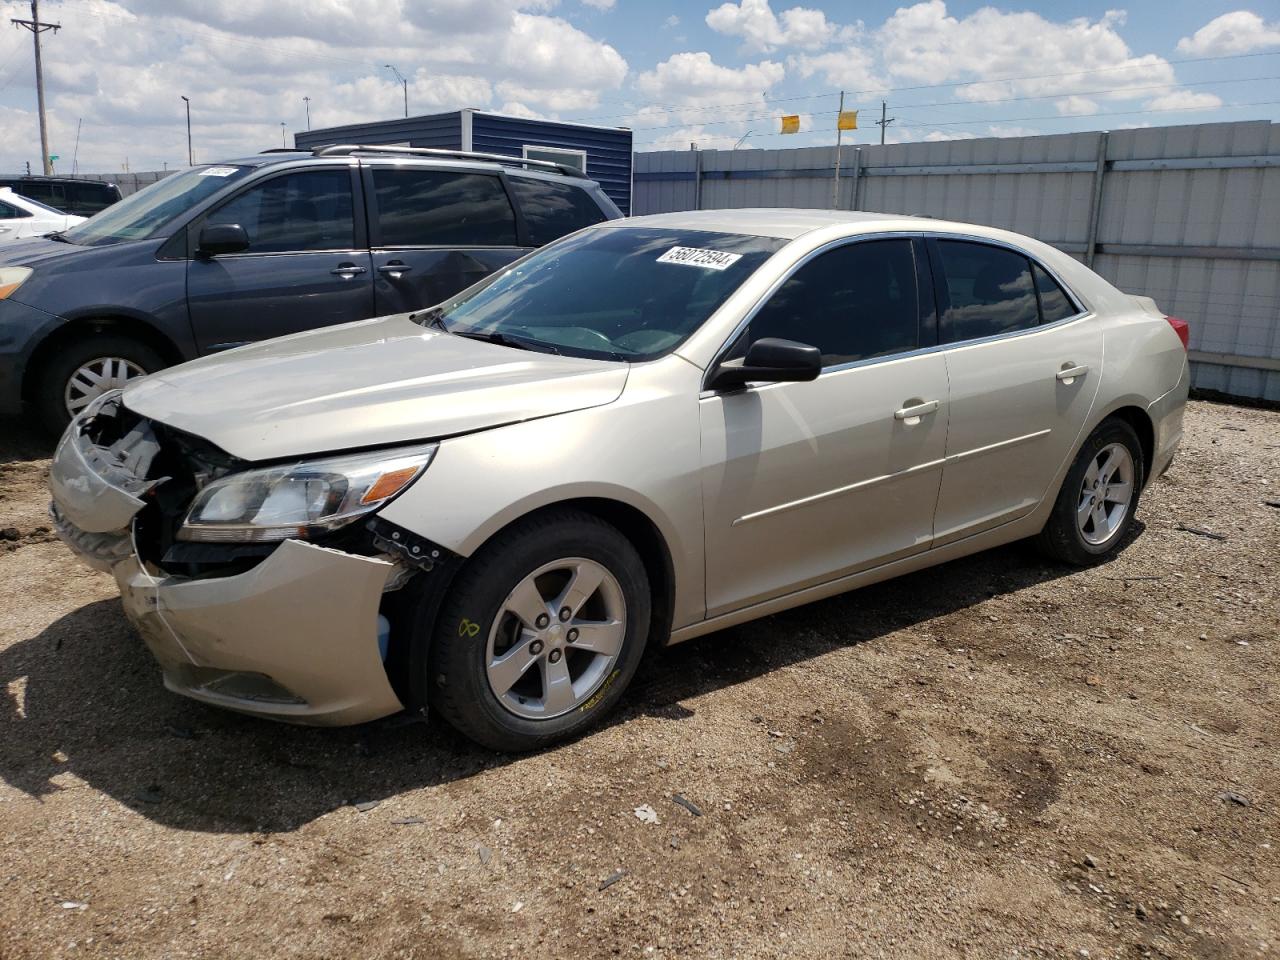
(300, 500)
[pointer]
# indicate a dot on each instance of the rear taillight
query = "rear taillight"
(1182, 329)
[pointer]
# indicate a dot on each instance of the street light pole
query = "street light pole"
(307, 101)
(404, 83)
(282, 140)
(190, 156)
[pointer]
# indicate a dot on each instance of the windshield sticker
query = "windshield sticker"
(218, 172)
(698, 257)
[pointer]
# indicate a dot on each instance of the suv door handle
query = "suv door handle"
(1069, 372)
(911, 415)
(395, 268)
(348, 270)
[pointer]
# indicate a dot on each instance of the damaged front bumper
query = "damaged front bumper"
(294, 637)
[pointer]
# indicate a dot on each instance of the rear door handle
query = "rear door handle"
(911, 415)
(1069, 373)
(395, 268)
(348, 270)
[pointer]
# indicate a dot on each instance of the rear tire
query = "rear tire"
(1099, 497)
(521, 657)
(69, 376)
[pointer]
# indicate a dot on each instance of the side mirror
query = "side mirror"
(216, 238)
(772, 360)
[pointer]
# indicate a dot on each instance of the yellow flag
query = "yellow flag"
(791, 124)
(848, 120)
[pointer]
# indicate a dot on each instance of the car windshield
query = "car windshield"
(139, 216)
(618, 293)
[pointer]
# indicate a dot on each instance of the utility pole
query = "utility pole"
(37, 28)
(282, 140)
(190, 162)
(884, 121)
(835, 183)
(307, 101)
(404, 83)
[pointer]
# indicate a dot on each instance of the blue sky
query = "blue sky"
(675, 72)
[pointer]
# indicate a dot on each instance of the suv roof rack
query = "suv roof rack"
(348, 149)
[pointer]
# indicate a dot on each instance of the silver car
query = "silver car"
(646, 431)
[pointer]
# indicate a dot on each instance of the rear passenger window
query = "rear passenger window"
(1054, 303)
(985, 291)
(307, 210)
(437, 208)
(852, 303)
(9, 212)
(553, 209)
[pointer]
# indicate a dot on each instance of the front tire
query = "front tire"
(85, 369)
(541, 632)
(1095, 507)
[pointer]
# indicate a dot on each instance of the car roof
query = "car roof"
(38, 178)
(789, 224)
(459, 162)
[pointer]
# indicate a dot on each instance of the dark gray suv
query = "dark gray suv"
(223, 255)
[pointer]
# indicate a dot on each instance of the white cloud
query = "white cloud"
(849, 68)
(923, 44)
(694, 79)
(1184, 100)
(671, 21)
(1239, 32)
(247, 64)
(599, 4)
(762, 30)
(1076, 106)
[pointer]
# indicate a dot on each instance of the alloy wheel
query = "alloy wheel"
(556, 638)
(95, 377)
(1106, 494)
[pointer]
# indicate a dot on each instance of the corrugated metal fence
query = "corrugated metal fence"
(1187, 215)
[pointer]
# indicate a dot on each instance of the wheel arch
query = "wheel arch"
(115, 323)
(1136, 416)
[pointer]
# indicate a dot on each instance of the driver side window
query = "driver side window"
(307, 210)
(853, 303)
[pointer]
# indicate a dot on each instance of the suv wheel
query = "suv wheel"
(1099, 496)
(541, 632)
(86, 369)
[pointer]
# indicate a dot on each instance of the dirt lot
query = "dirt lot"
(996, 758)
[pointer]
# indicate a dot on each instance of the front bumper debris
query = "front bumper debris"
(294, 637)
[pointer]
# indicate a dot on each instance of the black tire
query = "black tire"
(1062, 539)
(53, 376)
(457, 681)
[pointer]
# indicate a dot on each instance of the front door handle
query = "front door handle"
(1070, 371)
(910, 415)
(348, 270)
(395, 268)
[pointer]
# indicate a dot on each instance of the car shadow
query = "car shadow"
(85, 703)
(23, 439)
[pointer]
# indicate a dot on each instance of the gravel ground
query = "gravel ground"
(995, 758)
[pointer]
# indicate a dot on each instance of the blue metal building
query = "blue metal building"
(603, 153)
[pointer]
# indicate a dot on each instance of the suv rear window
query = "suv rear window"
(553, 209)
(419, 207)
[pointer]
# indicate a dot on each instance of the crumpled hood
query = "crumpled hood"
(363, 384)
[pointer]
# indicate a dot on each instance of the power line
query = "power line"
(1101, 113)
(934, 86)
(974, 103)
(999, 120)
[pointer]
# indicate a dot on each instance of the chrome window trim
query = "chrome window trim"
(1082, 313)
